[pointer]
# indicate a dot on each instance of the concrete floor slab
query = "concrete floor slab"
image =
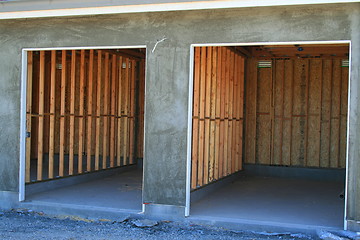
(120, 191)
(278, 200)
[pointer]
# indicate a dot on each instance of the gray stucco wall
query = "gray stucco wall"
(167, 72)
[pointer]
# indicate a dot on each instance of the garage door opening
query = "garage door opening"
(85, 126)
(269, 133)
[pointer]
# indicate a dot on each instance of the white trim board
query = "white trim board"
(68, 10)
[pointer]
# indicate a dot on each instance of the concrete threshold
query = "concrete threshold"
(239, 224)
(80, 211)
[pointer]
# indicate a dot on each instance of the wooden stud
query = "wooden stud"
(72, 113)
(339, 78)
(132, 112)
(112, 111)
(52, 114)
(29, 90)
(207, 114)
(105, 111)
(212, 114)
(126, 117)
(222, 112)
(98, 109)
(282, 113)
(81, 111)
(195, 130)
(320, 113)
(226, 119)
(272, 110)
(307, 112)
(255, 112)
(119, 119)
(202, 116)
(231, 162)
(41, 116)
(343, 116)
(291, 110)
(90, 110)
(236, 102)
(62, 113)
(217, 113)
(241, 111)
(330, 110)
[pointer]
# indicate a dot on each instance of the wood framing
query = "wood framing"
(82, 103)
(217, 101)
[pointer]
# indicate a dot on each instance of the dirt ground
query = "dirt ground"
(29, 225)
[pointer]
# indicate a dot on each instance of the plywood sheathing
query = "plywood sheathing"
(296, 113)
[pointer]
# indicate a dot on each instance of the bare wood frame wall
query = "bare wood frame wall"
(218, 95)
(83, 107)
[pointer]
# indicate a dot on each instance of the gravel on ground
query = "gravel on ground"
(24, 224)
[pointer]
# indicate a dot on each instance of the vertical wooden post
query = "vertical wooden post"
(320, 113)
(255, 110)
(202, 116)
(230, 117)
(106, 113)
(212, 114)
(89, 110)
(195, 130)
(113, 106)
(222, 159)
(226, 120)
(236, 102)
(207, 109)
(119, 119)
(291, 109)
(52, 114)
(41, 117)
(81, 111)
(98, 109)
(28, 113)
(218, 165)
(132, 112)
(272, 110)
(72, 112)
(126, 117)
(62, 113)
(307, 112)
(241, 110)
(282, 90)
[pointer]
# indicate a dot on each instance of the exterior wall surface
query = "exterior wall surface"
(167, 78)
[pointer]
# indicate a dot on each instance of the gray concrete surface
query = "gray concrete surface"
(318, 174)
(292, 203)
(43, 186)
(167, 74)
(119, 191)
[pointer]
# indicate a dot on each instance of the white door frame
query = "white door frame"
(24, 97)
(190, 107)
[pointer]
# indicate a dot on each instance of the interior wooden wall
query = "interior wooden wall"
(217, 114)
(84, 108)
(296, 113)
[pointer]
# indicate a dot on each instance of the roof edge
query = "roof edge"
(161, 7)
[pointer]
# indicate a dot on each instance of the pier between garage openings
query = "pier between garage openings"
(269, 129)
(85, 126)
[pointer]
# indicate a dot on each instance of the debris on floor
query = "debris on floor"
(141, 223)
(325, 235)
(347, 234)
